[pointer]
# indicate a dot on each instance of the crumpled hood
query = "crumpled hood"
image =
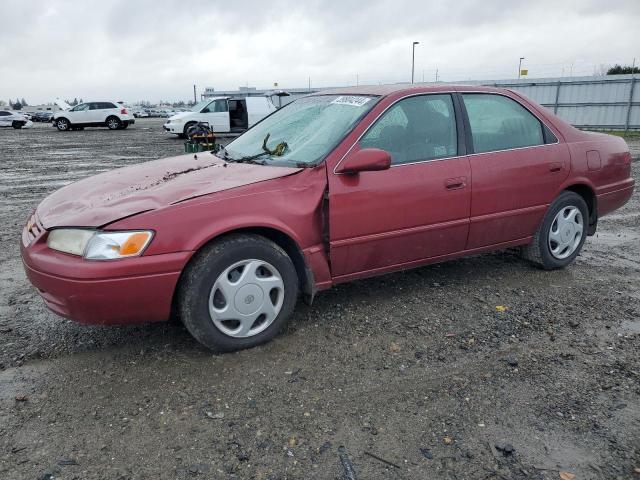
(120, 193)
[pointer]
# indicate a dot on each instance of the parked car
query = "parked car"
(94, 114)
(11, 118)
(223, 114)
(333, 187)
(43, 116)
(141, 114)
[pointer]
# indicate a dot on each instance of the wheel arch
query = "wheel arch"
(188, 124)
(283, 240)
(589, 196)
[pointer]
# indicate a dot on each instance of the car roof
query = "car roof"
(405, 88)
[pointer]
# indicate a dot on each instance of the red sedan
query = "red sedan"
(334, 187)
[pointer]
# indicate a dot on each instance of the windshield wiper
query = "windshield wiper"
(279, 151)
(224, 155)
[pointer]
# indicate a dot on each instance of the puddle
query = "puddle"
(622, 237)
(631, 326)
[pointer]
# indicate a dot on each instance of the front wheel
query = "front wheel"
(186, 129)
(237, 293)
(561, 234)
(63, 124)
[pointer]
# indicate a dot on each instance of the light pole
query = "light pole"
(520, 67)
(413, 59)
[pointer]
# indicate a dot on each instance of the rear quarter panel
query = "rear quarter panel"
(603, 162)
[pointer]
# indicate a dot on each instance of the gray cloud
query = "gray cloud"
(157, 49)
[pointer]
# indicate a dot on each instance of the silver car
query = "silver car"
(11, 118)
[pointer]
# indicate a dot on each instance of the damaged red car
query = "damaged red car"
(336, 186)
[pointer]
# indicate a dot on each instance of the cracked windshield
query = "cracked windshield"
(302, 133)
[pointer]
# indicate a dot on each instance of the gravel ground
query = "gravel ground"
(416, 368)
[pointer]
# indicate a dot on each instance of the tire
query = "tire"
(551, 254)
(202, 304)
(17, 124)
(113, 123)
(186, 128)
(62, 124)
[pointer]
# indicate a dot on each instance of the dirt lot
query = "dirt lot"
(418, 368)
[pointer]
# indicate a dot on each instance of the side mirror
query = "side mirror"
(206, 110)
(365, 160)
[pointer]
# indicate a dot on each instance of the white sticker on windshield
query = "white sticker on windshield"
(352, 100)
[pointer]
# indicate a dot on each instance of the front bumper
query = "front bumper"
(128, 291)
(175, 128)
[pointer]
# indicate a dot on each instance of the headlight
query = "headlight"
(175, 120)
(99, 245)
(69, 241)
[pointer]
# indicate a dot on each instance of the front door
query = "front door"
(517, 166)
(80, 114)
(416, 210)
(216, 114)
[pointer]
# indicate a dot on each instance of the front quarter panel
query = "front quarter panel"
(291, 205)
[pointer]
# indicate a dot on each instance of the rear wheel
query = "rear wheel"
(113, 123)
(238, 292)
(63, 124)
(17, 124)
(561, 234)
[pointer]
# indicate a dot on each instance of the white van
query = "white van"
(223, 114)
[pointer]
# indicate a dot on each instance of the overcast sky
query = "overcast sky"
(149, 50)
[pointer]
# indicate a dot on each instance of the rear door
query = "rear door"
(97, 112)
(517, 164)
(416, 210)
(6, 119)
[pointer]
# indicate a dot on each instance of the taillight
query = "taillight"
(124, 111)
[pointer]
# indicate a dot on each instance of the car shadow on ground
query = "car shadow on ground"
(442, 283)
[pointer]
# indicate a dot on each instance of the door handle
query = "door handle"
(455, 183)
(556, 166)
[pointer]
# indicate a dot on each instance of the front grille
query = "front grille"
(32, 230)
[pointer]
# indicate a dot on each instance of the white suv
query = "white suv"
(94, 114)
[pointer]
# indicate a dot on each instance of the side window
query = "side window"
(500, 123)
(220, 106)
(4, 114)
(95, 106)
(106, 105)
(80, 108)
(416, 129)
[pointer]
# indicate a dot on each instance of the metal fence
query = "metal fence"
(608, 103)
